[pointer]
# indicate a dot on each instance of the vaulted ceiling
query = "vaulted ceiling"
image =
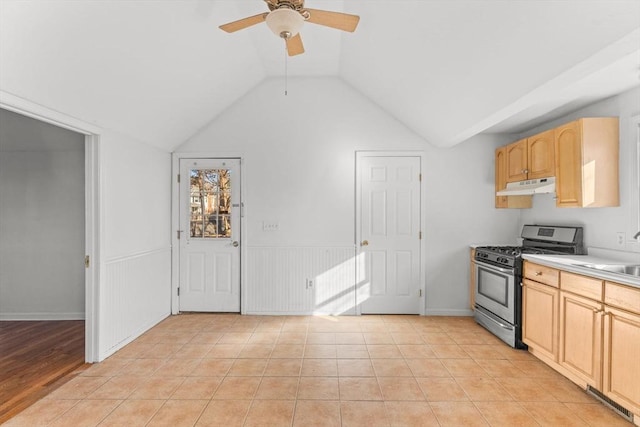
(448, 69)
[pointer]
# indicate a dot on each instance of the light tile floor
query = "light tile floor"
(231, 370)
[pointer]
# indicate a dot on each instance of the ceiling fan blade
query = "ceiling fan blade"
(243, 23)
(339, 20)
(294, 45)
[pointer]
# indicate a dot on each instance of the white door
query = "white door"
(389, 231)
(210, 235)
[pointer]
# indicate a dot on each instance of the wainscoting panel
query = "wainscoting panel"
(300, 280)
(134, 296)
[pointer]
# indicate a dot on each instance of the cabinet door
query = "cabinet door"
(581, 337)
(541, 155)
(517, 202)
(516, 158)
(621, 368)
(501, 181)
(540, 318)
(568, 147)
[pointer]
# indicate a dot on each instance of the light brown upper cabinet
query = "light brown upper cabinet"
(516, 161)
(531, 158)
(586, 156)
(501, 183)
(540, 155)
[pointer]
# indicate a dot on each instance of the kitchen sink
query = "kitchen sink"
(630, 269)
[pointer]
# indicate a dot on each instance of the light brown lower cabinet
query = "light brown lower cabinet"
(581, 337)
(472, 279)
(540, 319)
(621, 373)
(586, 329)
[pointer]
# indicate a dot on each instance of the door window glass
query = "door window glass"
(210, 199)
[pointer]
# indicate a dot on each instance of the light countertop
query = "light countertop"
(573, 264)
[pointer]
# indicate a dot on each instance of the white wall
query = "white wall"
(41, 220)
(135, 282)
(299, 167)
(601, 224)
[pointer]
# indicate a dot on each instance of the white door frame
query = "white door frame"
(93, 205)
(175, 221)
(423, 205)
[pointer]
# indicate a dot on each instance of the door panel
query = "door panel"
(196, 273)
(580, 337)
(210, 235)
(403, 272)
(389, 227)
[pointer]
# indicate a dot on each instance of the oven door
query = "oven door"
(495, 290)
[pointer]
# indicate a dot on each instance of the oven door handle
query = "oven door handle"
(493, 267)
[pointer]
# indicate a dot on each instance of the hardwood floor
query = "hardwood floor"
(36, 357)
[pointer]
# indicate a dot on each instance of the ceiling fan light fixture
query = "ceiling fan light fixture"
(284, 22)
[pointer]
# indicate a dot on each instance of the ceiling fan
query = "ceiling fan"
(285, 18)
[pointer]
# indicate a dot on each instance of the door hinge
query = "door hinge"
(178, 290)
(420, 177)
(178, 233)
(420, 293)
(87, 261)
(420, 235)
(178, 178)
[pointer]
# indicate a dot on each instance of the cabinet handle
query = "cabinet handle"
(538, 273)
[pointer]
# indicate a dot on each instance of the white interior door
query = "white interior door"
(210, 235)
(389, 225)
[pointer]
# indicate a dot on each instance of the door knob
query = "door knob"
(364, 243)
(235, 244)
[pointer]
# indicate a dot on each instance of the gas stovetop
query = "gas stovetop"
(514, 251)
(538, 240)
(507, 256)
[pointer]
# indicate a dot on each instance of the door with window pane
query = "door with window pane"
(210, 235)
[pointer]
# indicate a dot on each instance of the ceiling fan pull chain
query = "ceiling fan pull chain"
(285, 69)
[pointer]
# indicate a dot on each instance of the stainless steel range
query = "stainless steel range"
(498, 277)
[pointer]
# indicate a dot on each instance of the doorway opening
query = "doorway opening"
(92, 204)
(42, 269)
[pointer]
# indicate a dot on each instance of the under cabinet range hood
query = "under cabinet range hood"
(529, 187)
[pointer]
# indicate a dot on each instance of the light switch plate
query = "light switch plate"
(270, 226)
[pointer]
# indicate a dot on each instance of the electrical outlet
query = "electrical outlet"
(620, 239)
(310, 283)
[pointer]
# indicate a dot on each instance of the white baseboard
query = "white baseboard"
(103, 355)
(450, 312)
(42, 316)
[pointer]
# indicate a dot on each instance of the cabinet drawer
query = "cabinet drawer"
(540, 273)
(624, 297)
(581, 285)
